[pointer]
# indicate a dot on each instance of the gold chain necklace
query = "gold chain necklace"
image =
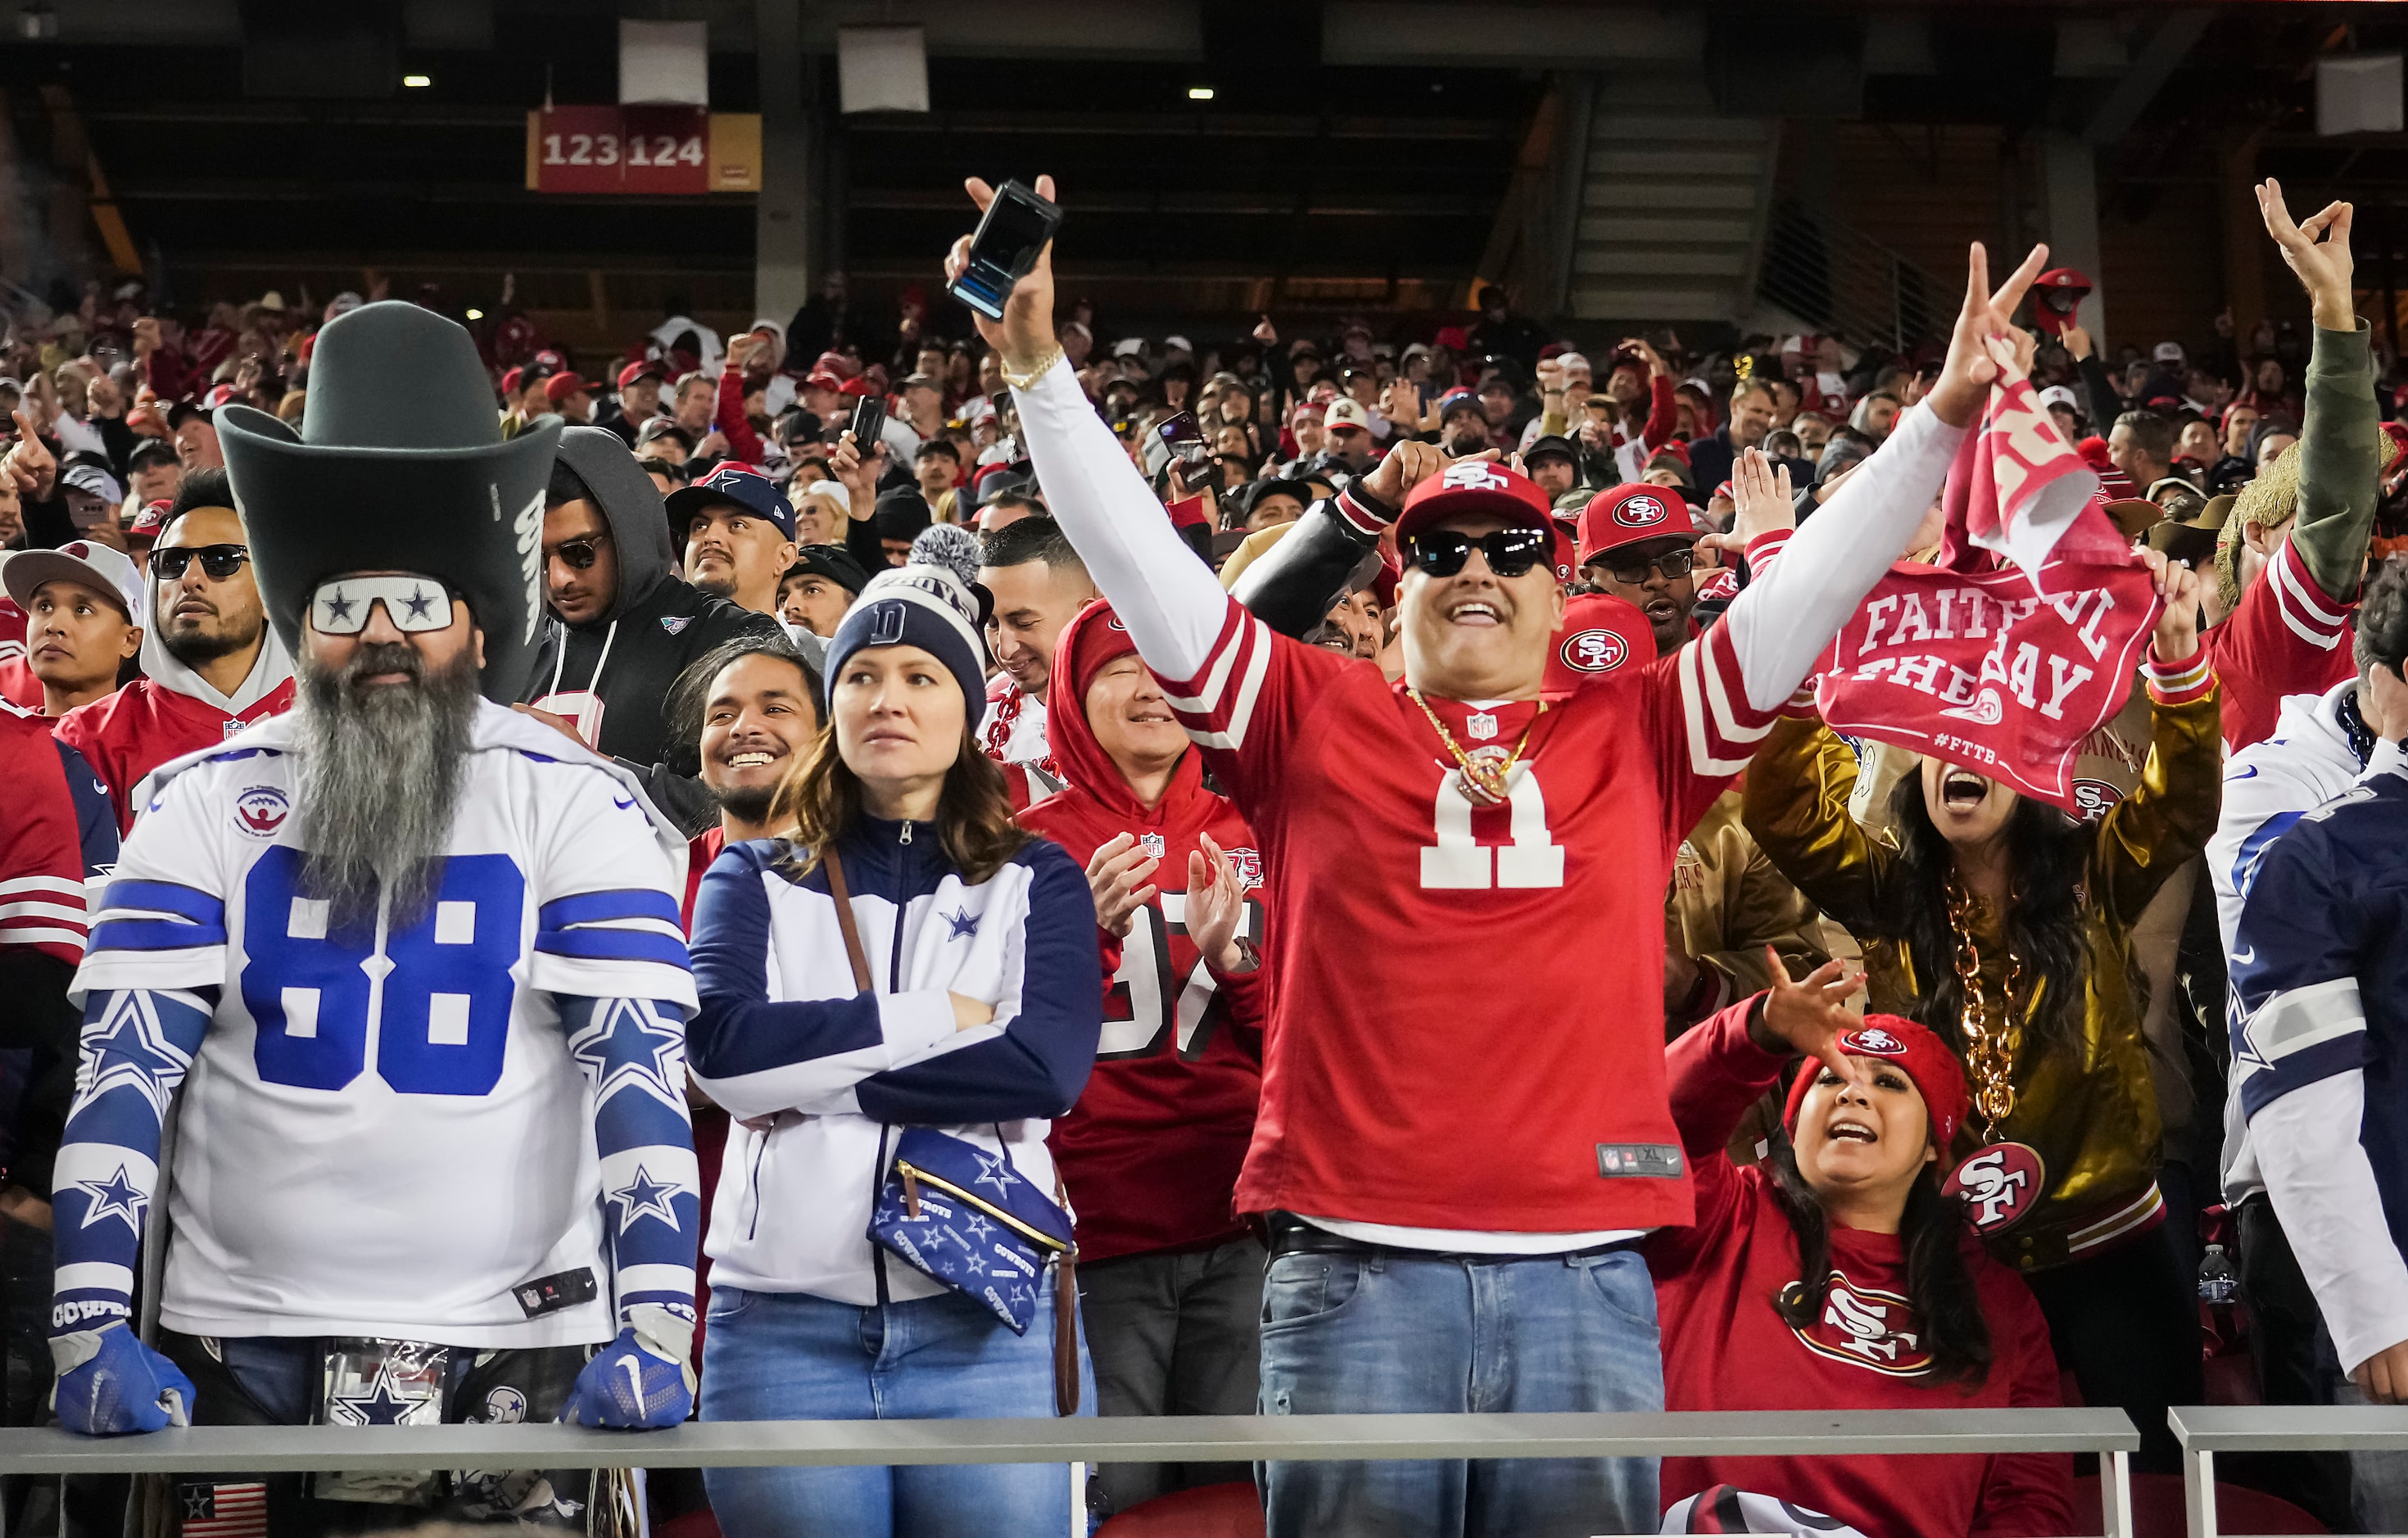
(1989, 1051)
(1481, 779)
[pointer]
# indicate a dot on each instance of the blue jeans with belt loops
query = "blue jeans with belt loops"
(1384, 1332)
(790, 1356)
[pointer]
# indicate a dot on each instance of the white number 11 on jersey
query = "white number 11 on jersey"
(1456, 862)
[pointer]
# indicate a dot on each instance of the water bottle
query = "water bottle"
(2217, 1282)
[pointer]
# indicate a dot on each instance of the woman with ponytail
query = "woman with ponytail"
(1834, 1275)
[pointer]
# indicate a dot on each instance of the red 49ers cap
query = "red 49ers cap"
(1601, 637)
(1626, 514)
(1918, 1053)
(1479, 488)
(2055, 295)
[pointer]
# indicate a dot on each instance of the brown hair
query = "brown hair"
(820, 796)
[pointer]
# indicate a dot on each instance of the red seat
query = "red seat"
(2157, 1509)
(1214, 1511)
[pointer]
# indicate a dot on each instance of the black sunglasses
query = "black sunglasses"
(1632, 571)
(217, 562)
(579, 553)
(1511, 552)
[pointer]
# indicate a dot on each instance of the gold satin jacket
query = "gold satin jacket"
(2092, 1116)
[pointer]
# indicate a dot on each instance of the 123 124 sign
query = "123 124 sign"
(654, 151)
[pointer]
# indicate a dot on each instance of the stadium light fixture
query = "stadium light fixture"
(418, 82)
(1200, 93)
(476, 314)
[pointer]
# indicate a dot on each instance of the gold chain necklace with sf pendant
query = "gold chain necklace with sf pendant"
(1481, 779)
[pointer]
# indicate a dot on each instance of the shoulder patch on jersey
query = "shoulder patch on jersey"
(261, 809)
(675, 624)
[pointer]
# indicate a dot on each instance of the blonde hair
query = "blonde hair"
(2267, 502)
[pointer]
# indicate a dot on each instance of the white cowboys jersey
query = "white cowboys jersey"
(384, 1134)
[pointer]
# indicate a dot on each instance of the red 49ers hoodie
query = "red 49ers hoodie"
(1725, 1348)
(1150, 1155)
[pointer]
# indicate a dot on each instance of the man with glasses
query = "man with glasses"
(628, 624)
(211, 665)
(1462, 1141)
(1636, 543)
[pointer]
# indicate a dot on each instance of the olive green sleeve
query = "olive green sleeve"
(2340, 461)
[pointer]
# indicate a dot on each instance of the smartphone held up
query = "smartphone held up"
(1011, 235)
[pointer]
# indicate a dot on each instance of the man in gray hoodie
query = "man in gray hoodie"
(625, 624)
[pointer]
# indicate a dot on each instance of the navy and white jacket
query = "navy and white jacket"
(784, 1041)
(2320, 1049)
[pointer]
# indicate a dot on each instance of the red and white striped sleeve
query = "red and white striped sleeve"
(41, 852)
(2179, 683)
(2314, 619)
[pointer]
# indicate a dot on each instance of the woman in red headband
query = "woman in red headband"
(1834, 1275)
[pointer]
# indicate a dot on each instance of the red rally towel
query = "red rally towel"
(2006, 667)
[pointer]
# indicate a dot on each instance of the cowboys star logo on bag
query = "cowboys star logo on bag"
(1476, 475)
(1868, 1327)
(1597, 651)
(1640, 513)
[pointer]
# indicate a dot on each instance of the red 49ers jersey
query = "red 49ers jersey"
(1466, 1027)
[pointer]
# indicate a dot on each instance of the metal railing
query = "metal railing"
(1842, 282)
(2205, 1431)
(1211, 1439)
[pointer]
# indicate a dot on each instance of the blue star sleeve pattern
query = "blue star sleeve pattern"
(632, 1054)
(138, 1045)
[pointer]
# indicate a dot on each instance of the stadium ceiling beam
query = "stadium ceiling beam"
(2166, 46)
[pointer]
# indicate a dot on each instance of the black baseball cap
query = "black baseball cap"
(150, 449)
(834, 562)
(1553, 443)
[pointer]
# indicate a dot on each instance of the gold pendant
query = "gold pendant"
(1481, 777)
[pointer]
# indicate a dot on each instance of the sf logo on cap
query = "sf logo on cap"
(1640, 512)
(1476, 475)
(1874, 1042)
(1597, 651)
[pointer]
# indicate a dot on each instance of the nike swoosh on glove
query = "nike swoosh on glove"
(110, 1383)
(642, 1381)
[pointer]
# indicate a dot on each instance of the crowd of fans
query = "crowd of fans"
(1334, 1124)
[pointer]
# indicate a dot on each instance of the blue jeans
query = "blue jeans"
(1385, 1334)
(789, 1356)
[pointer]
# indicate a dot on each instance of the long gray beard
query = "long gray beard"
(379, 775)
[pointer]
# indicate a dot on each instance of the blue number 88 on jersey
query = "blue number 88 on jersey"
(442, 1011)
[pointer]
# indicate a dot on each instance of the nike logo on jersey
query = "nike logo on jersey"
(2246, 771)
(623, 802)
(2247, 957)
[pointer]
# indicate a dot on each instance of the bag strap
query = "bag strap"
(1065, 1317)
(862, 981)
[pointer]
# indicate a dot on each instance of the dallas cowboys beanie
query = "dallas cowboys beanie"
(922, 606)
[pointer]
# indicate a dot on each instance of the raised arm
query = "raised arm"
(2340, 446)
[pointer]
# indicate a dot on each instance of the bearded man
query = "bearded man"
(383, 947)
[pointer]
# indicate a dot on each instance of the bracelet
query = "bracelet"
(1023, 379)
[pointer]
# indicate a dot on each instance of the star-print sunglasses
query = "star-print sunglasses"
(340, 607)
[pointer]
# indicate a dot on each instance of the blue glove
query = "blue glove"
(641, 1380)
(110, 1383)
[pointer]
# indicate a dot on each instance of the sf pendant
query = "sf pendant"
(1999, 1185)
(1481, 777)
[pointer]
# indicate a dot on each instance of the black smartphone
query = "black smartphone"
(1015, 229)
(869, 423)
(1184, 437)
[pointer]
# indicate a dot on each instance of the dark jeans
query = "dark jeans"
(1173, 1335)
(2283, 1340)
(271, 1381)
(2127, 1323)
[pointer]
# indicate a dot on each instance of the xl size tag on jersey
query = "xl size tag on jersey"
(382, 1383)
(1646, 1161)
(559, 1290)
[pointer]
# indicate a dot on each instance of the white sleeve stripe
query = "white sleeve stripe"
(59, 910)
(1216, 675)
(2322, 636)
(78, 1159)
(2300, 585)
(1703, 757)
(2300, 1018)
(1258, 666)
(1726, 721)
(98, 1275)
(42, 884)
(654, 1279)
(11, 935)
